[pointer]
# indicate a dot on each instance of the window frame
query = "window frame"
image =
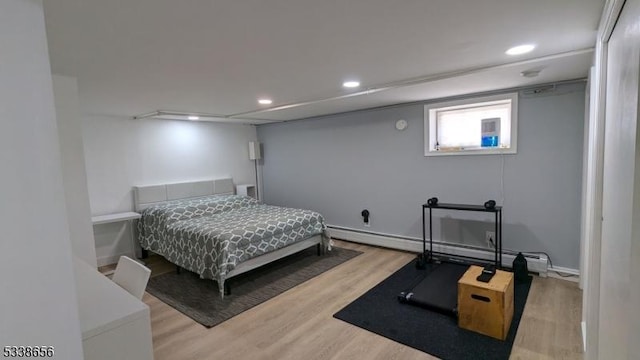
(430, 124)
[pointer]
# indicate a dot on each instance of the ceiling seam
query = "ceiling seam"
(443, 99)
(412, 81)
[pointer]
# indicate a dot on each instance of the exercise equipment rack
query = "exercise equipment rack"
(496, 210)
(438, 289)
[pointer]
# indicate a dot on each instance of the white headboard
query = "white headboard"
(145, 196)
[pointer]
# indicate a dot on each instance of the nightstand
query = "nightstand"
(247, 190)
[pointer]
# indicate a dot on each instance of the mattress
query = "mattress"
(212, 235)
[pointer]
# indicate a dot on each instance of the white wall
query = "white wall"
(620, 253)
(65, 91)
(38, 304)
(121, 153)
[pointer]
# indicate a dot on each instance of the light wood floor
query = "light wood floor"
(299, 324)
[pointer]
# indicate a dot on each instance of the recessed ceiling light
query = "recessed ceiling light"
(520, 49)
(192, 117)
(265, 101)
(350, 84)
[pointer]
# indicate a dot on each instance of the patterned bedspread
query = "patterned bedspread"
(212, 235)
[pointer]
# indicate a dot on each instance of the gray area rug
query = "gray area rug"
(200, 300)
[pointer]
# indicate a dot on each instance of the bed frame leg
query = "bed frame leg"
(178, 269)
(144, 254)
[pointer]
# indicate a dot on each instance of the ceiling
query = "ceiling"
(219, 56)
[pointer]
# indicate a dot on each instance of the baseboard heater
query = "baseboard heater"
(536, 263)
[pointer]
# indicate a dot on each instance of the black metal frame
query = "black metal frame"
(497, 210)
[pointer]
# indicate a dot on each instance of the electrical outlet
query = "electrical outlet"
(490, 238)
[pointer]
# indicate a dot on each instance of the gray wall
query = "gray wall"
(341, 164)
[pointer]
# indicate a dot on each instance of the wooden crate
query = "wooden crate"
(486, 308)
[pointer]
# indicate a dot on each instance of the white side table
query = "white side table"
(247, 190)
(120, 217)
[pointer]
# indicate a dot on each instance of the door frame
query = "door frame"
(591, 240)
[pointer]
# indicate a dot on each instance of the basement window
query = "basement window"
(477, 126)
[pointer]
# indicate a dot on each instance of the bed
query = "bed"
(204, 228)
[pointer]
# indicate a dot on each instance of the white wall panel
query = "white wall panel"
(620, 273)
(38, 303)
(121, 153)
(65, 91)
